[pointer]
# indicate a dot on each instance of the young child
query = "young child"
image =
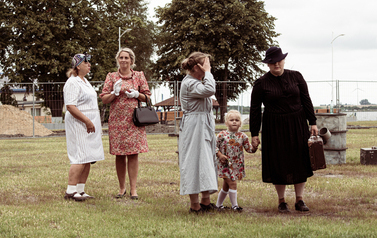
(229, 151)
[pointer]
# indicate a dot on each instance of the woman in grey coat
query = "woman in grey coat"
(197, 141)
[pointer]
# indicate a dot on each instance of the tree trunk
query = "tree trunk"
(223, 101)
(223, 98)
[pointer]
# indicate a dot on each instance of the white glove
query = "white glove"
(132, 94)
(117, 87)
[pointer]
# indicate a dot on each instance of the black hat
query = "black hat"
(273, 55)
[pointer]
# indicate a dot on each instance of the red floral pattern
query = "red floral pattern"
(125, 138)
(231, 144)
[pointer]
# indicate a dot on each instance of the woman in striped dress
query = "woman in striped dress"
(82, 126)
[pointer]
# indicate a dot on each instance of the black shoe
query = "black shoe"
(301, 206)
(223, 208)
(121, 195)
(209, 207)
(134, 197)
(237, 209)
(283, 207)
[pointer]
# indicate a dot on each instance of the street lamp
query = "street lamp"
(120, 35)
(332, 74)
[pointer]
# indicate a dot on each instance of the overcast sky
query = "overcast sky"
(307, 29)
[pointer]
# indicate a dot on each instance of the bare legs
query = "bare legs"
(280, 189)
(78, 173)
(229, 184)
(121, 166)
(77, 176)
(133, 169)
(194, 200)
(299, 190)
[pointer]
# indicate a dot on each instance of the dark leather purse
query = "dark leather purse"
(145, 116)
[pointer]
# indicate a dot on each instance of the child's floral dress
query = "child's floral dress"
(231, 144)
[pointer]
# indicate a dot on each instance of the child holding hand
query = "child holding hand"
(229, 151)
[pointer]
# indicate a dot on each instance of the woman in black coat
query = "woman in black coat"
(285, 132)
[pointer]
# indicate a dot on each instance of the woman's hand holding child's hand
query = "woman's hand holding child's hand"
(254, 149)
(223, 159)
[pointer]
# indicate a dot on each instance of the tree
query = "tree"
(6, 96)
(234, 32)
(364, 102)
(39, 39)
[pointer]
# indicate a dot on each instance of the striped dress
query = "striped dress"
(82, 147)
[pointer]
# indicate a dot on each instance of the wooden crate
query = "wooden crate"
(368, 155)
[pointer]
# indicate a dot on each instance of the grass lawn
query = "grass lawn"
(342, 198)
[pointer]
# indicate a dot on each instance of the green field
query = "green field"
(342, 198)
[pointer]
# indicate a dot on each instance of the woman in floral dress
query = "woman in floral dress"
(229, 151)
(121, 90)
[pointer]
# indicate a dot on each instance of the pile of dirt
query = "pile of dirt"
(160, 128)
(15, 122)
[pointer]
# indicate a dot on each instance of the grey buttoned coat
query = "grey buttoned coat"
(197, 140)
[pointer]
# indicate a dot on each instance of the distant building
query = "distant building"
(25, 102)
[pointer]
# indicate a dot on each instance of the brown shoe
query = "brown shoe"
(68, 196)
(85, 195)
(301, 206)
(121, 195)
(209, 207)
(200, 211)
(283, 207)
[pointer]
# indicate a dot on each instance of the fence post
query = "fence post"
(337, 95)
(175, 95)
(33, 114)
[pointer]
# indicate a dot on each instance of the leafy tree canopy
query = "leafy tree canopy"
(364, 102)
(39, 38)
(234, 32)
(6, 97)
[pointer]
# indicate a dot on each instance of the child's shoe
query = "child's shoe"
(223, 208)
(237, 209)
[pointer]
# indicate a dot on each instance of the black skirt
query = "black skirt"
(285, 151)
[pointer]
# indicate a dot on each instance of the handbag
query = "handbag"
(145, 116)
(316, 152)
